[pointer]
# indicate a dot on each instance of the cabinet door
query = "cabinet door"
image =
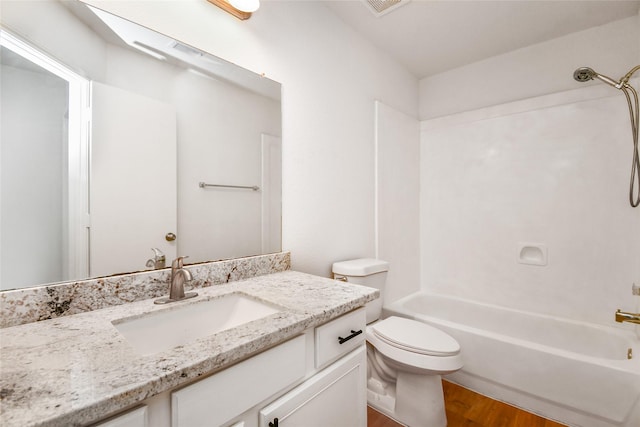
(334, 397)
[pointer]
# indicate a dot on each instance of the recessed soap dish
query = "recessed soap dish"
(532, 254)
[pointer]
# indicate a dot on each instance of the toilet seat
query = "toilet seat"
(417, 347)
(414, 336)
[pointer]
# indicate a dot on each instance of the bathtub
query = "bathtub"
(573, 372)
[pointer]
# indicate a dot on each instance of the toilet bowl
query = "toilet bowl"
(405, 358)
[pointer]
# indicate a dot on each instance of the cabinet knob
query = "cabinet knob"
(273, 423)
(170, 237)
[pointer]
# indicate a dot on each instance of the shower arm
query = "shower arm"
(608, 80)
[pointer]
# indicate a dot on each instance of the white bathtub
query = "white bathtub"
(573, 372)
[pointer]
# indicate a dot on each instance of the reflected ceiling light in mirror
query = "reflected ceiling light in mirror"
(148, 50)
(241, 9)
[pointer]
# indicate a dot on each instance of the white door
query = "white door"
(335, 397)
(133, 180)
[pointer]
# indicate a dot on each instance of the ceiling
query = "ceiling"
(432, 36)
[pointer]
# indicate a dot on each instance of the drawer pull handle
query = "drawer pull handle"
(353, 335)
(274, 423)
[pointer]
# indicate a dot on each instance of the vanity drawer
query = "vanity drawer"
(339, 337)
(135, 418)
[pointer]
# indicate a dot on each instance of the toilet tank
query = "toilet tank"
(367, 272)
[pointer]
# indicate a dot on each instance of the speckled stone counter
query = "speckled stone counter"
(76, 369)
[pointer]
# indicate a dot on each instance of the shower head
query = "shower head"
(584, 74)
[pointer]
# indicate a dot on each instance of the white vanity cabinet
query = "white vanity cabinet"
(315, 379)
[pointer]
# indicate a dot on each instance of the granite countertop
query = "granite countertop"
(73, 370)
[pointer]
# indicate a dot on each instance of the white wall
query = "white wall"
(611, 49)
(330, 77)
(398, 199)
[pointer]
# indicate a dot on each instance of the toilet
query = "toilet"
(405, 358)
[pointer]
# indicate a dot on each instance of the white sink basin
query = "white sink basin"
(181, 324)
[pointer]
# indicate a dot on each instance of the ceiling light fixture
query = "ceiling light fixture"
(241, 9)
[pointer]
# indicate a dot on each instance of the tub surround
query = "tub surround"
(22, 306)
(562, 153)
(77, 369)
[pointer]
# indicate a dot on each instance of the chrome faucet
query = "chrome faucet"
(623, 316)
(179, 276)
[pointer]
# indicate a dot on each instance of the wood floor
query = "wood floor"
(468, 409)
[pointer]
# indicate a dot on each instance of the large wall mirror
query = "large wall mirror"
(120, 144)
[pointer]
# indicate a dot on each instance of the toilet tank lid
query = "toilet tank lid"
(360, 267)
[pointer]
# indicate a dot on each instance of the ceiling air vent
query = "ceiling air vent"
(382, 7)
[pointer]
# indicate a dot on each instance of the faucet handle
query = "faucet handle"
(178, 262)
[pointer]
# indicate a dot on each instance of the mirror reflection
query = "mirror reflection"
(121, 146)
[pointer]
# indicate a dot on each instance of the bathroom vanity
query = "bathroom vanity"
(304, 361)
